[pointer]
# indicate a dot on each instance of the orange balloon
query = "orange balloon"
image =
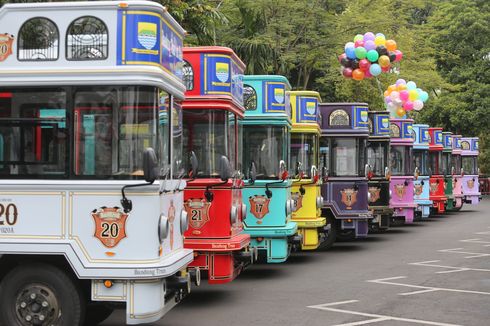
(358, 74)
(391, 88)
(400, 112)
(390, 45)
(384, 61)
(387, 93)
(401, 87)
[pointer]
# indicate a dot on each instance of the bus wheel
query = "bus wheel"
(330, 234)
(97, 313)
(40, 294)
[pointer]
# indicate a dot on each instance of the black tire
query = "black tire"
(97, 313)
(331, 236)
(50, 285)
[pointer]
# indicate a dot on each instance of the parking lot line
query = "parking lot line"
(424, 289)
(471, 254)
(375, 318)
(477, 240)
(452, 269)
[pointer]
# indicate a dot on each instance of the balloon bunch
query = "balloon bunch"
(368, 56)
(404, 96)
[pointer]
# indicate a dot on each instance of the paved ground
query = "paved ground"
(435, 272)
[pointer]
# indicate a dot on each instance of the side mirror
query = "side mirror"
(324, 174)
(150, 165)
(252, 172)
(225, 168)
(462, 172)
(194, 164)
(283, 172)
(430, 172)
(416, 173)
(314, 174)
(479, 172)
(387, 173)
(367, 171)
(453, 170)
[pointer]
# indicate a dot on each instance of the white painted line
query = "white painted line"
(484, 232)
(477, 240)
(471, 254)
(374, 317)
(452, 269)
(425, 289)
(365, 322)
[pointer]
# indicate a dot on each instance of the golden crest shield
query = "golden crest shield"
(110, 225)
(374, 192)
(433, 186)
(198, 210)
(400, 190)
(6, 41)
(298, 200)
(349, 197)
(417, 189)
(470, 183)
(259, 206)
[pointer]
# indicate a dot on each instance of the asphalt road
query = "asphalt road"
(435, 272)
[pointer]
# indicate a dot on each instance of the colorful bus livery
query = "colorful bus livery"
(92, 144)
(469, 165)
(343, 142)
(421, 164)
(458, 172)
(448, 169)
(213, 197)
(266, 146)
(436, 185)
(305, 192)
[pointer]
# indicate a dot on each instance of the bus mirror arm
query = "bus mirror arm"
(252, 172)
(225, 174)
(150, 170)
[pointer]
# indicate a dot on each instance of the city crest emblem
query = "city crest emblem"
(6, 41)
(259, 206)
(417, 189)
(400, 190)
(374, 194)
(433, 186)
(470, 183)
(311, 108)
(297, 200)
(198, 210)
(349, 197)
(222, 71)
(279, 95)
(147, 35)
(385, 122)
(110, 225)
(364, 116)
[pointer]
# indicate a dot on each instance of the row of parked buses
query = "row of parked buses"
(131, 166)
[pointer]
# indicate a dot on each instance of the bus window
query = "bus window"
(33, 132)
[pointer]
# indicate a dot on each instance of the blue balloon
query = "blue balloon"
(375, 69)
(424, 96)
(350, 53)
(349, 45)
(411, 85)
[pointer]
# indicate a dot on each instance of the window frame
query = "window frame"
(38, 60)
(86, 59)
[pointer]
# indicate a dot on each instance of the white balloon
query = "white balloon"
(418, 105)
(394, 95)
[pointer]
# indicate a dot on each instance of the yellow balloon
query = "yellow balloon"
(401, 87)
(380, 40)
(413, 95)
(384, 61)
(400, 112)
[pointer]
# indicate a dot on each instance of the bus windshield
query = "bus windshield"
(446, 163)
(470, 164)
(266, 146)
(348, 156)
(400, 160)
(420, 160)
(435, 162)
(456, 162)
(377, 156)
(303, 150)
(111, 127)
(207, 134)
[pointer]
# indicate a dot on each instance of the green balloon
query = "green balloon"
(360, 52)
(372, 55)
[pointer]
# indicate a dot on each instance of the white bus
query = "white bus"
(91, 189)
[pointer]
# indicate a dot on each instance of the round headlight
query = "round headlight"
(244, 211)
(319, 202)
(163, 228)
(184, 221)
(369, 196)
(289, 206)
(390, 193)
(233, 214)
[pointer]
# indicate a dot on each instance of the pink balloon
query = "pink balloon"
(347, 72)
(399, 55)
(404, 95)
(359, 43)
(408, 105)
(367, 73)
